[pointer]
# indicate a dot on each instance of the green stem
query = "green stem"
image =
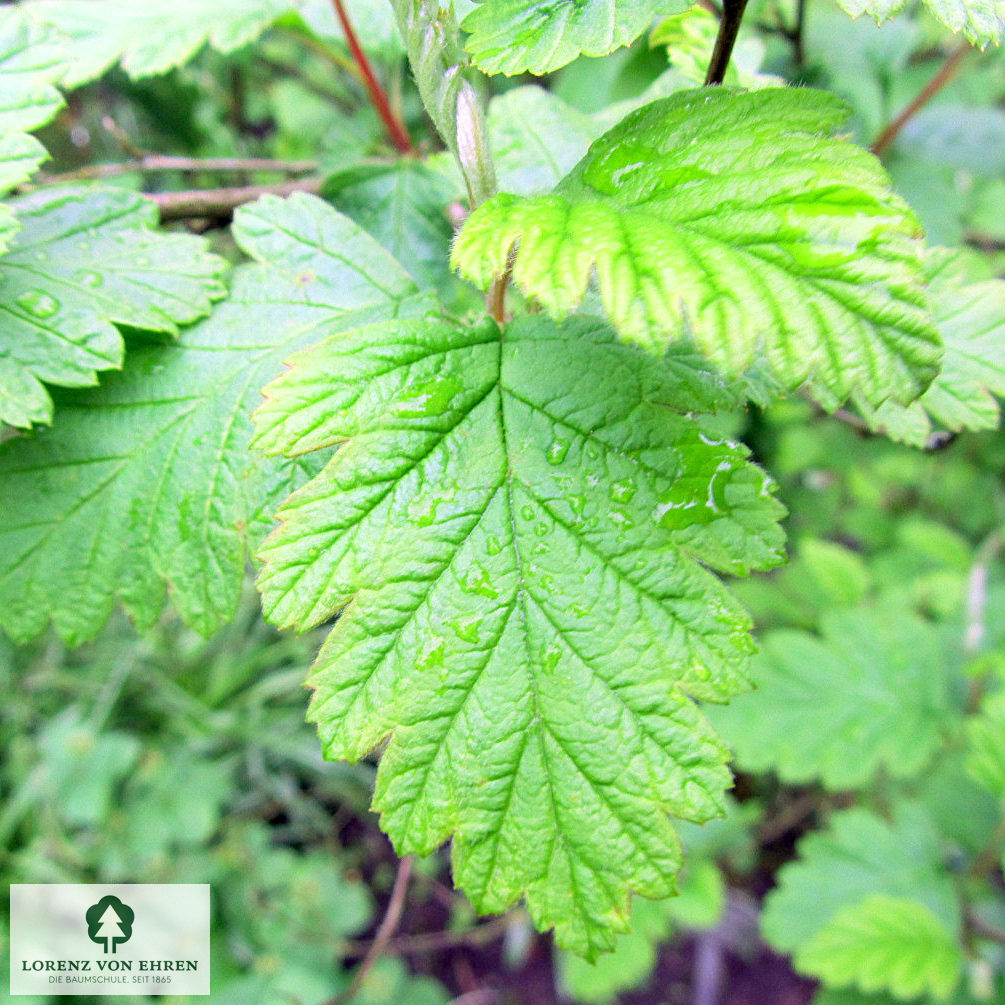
(446, 83)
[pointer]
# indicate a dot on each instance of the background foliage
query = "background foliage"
(862, 845)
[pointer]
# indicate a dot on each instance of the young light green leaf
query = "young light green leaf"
(986, 745)
(149, 479)
(151, 37)
(737, 219)
(981, 21)
(858, 855)
(85, 260)
(971, 320)
(512, 534)
(538, 36)
(30, 63)
(869, 693)
(885, 943)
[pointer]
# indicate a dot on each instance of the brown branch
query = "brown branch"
(395, 127)
(729, 27)
(220, 203)
(387, 928)
(945, 74)
(152, 163)
(433, 942)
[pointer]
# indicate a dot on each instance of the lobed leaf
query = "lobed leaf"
(538, 36)
(511, 532)
(869, 693)
(85, 260)
(981, 21)
(971, 320)
(736, 219)
(151, 37)
(858, 855)
(148, 480)
(885, 943)
(30, 63)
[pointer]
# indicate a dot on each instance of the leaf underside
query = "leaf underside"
(735, 219)
(148, 479)
(971, 320)
(85, 260)
(538, 36)
(981, 21)
(512, 531)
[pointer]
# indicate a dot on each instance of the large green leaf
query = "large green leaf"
(870, 692)
(85, 260)
(149, 479)
(885, 943)
(971, 320)
(31, 61)
(735, 218)
(981, 21)
(537, 36)
(150, 37)
(512, 535)
(859, 854)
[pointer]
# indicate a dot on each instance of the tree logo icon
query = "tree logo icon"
(109, 922)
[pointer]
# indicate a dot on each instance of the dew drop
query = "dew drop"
(557, 450)
(492, 545)
(92, 279)
(527, 512)
(623, 490)
(39, 304)
(541, 529)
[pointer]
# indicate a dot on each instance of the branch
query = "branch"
(395, 127)
(945, 74)
(387, 927)
(151, 163)
(220, 203)
(432, 942)
(729, 27)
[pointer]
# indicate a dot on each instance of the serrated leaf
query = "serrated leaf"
(30, 63)
(404, 206)
(986, 745)
(85, 260)
(151, 37)
(149, 480)
(537, 139)
(869, 693)
(506, 506)
(981, 21)
(737, 219)
(538, 36)
(885, 943)
(971, 320)
(857, 855)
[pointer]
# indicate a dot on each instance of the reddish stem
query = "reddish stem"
(395, 127)
(945, 74)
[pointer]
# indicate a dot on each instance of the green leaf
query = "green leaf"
(404, 206)
(885, 943)
(859, 854)
(986, 745)
(506, 506)
(538, 36)
(981, 21)
(149, 479)
(971, 320)
(85, 260)
(734, 218)
(151, 37)
(869, 693)
(30, 63)
(537, 139)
